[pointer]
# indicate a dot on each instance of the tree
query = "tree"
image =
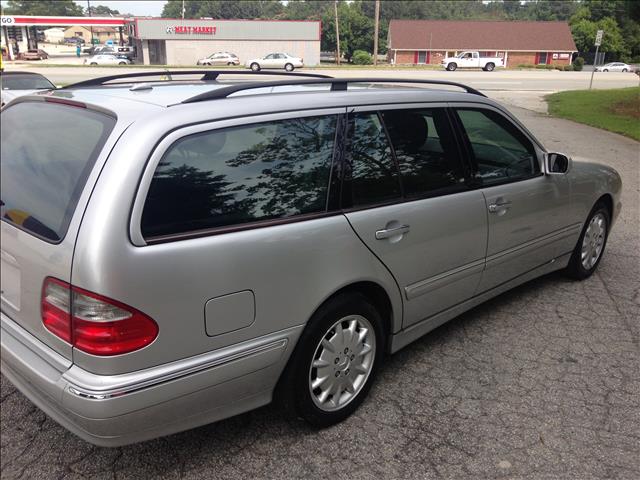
(63, 8)
(102, 11)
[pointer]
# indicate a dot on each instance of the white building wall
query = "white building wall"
(187, 52)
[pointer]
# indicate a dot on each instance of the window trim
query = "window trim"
(463, 139)
(135, 222)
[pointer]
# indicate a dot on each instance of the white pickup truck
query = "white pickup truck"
(472, 60)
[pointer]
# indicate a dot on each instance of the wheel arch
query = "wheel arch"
(607, 200)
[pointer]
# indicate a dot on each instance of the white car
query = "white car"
(275, 60)
(107, 59)
(16, 84)
(614, 67)
(220, 58)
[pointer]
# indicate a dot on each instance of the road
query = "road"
(506, 80)
(541, 382)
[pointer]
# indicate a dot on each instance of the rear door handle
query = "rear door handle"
(392, 232)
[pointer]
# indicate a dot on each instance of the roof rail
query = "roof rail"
(207, 75)
(337, 84)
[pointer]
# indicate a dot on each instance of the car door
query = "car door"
(527, 210)
(407, 200)
(218, 59)
(268, 61)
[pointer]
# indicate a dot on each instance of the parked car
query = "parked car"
(174, 261)
(472, 59)
(614, 67)
(15, 84)
(34, 54)
(74, 40)
(219, 58)
(275, 60)
(107, 59)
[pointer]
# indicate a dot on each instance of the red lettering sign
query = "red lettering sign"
(188, 30)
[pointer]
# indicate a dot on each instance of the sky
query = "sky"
(135, 7)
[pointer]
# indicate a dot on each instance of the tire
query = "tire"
(255, 67)
(452, 66)
(122, 63)
(489, 67)
(605, 70)
(289, 67)
(229, 64)
(349, 371)
(593, 239)
(624, 70)
(93, 63)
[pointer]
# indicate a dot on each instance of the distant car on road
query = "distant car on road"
(34, 54)
(472, 59)
(614, 67)
(16, 84)
(74, 40)
(275, 60)
(220, 58)
(107, 59)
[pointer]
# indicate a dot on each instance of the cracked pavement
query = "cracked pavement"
(541, 382)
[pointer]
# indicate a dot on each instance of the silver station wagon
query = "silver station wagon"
(177, 252)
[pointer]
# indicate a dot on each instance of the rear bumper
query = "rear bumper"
(113, 410)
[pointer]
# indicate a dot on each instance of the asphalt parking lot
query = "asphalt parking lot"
(542, 382)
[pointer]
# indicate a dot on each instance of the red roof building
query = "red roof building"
(429, 41)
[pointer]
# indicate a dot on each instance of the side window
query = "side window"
(426, 150)
(500, 151)
(241, 174)
(270, 56)
(374, 176)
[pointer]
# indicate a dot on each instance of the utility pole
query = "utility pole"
(335, 6)
(182, 9)
(375, 38)
(91, 27)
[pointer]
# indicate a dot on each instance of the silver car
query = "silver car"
(175, 261)
(15, 84)
(219, 58)
(614, 67)
(275, 60)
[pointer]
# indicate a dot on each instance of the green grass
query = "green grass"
(615, 110)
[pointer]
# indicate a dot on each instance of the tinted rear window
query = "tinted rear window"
(48, 151)
(240, 175)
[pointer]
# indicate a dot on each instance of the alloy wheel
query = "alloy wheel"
(593, 241)
(342, 363)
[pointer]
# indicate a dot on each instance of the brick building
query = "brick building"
(429, 41)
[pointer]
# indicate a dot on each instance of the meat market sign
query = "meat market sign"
(190, 30)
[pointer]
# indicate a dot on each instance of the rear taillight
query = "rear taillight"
(93, 323)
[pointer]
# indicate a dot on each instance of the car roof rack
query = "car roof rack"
(207, 75)
(337, 84)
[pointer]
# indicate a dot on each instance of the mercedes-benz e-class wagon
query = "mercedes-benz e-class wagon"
(190, 250)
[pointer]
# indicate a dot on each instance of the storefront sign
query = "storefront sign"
(562, 56)
(190, 30)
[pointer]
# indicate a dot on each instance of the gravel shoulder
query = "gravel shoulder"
(541, 382)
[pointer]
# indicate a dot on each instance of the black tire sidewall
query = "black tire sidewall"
(490, 67)
(452, 67)
(300, 362)
(255, 67)
(576, 269)
(289, 67)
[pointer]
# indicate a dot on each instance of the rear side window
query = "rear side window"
(48, 151)
(374, 176)
(500, 151)
(426, 150)
(238, 175)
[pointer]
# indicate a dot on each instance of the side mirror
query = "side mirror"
(558, 163)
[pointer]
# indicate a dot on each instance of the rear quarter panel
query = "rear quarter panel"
(291, 269)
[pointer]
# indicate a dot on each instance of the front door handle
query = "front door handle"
(392, 232)
(500, 205)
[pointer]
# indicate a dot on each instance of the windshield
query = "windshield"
(47, 153)
(25, 82)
